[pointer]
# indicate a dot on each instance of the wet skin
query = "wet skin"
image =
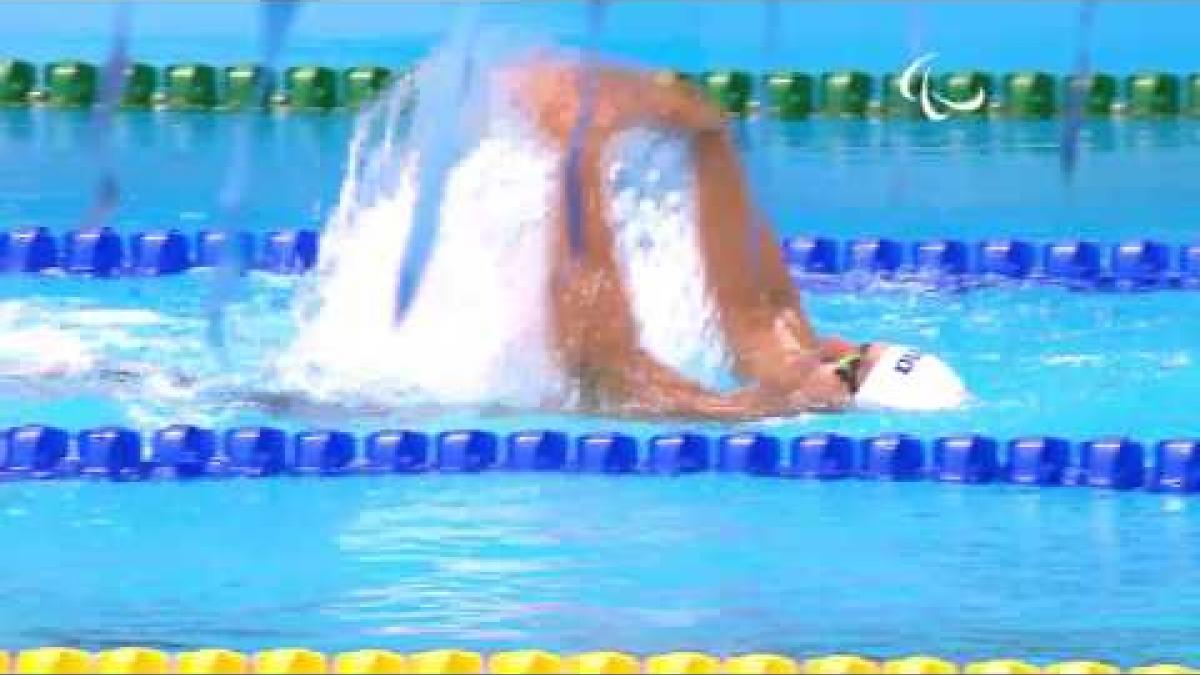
(786, 368)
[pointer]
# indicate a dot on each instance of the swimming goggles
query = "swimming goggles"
(849, 368)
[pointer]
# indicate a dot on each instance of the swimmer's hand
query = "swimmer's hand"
(622, 98)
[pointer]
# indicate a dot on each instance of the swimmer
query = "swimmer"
(785, 367)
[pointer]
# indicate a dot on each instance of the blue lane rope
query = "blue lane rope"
(816, 263)
(182, 451)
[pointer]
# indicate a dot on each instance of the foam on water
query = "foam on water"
(34, 343)
(42, 350)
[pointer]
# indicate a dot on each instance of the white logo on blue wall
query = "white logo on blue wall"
(918, 90)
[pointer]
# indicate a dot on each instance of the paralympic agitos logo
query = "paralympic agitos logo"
(934, 105)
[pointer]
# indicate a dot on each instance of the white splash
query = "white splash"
(654, 221)
(112, 317)
(477, 330)
(40, 351)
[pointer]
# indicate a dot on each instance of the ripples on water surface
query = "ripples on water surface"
(845, 178)
(721, 564)
(570, 563)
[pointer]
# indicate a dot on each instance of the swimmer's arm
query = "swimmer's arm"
(597, 346)
(656, 390)
(595, 332)
(596, 338)
(623, 98)
(649, 387)
(759, 306)
(670, 103)
(757, 303)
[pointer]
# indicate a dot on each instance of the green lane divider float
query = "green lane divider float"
(1153, 94)
(191, 86)
(247, 87)
(1029, 95)
(70, 84)
(845, 93)
(1098, 93)
(782, 94)
(364, 83)
(311, 88)
(730, 89)
(789, 95)
(139, 84)
(16, 81)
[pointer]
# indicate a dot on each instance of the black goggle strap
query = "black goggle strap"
(848, 367)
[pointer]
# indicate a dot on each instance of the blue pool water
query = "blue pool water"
(876, 35)
(842, 178)
(1039, 361)
(720, 564)
(715, 563)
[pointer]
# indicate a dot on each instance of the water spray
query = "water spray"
(441, 128)
(275, 19)
(572, 165)
(1073, 117)
(772, 38)
(108, 189)
(916, 47)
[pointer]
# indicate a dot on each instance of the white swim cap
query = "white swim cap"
(906, 379)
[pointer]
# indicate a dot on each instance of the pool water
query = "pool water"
(843, 178)
(1038, 361)
(714, 563)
